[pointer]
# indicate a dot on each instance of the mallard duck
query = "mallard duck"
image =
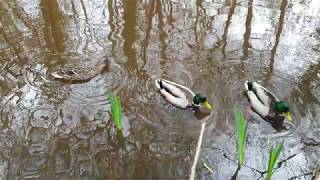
(266, 104)
(174, 93)
(79, 74)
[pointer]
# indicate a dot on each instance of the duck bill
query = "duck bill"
(288, 116)
(207, 105)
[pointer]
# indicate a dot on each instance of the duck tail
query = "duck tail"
(248, 85)
(160, 84)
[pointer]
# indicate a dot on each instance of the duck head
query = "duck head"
(199, 100)
(282, 107)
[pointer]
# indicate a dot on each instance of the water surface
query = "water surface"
(57, 130)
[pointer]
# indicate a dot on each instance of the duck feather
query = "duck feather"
(177, 101)
(263, 102)
(261, 99)
(257, 105)
(172, 93)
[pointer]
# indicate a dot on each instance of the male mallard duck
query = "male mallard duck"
(79, 74)
(173, 92)
(266, 104)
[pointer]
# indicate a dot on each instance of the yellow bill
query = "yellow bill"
(288, 116)
(207, 105)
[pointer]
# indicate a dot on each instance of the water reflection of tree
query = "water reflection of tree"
(27, 21)
(283, 7)
(162, 34)
(223, 42)
(153, 8)
(9, 21)
(169, 16)
(15, 49)
(75, 15)
(53, 25)
(311, 76)
(202, 23)
(157, 8)
(119, 32)
(129, 33)
(246, 36)
(112, 26)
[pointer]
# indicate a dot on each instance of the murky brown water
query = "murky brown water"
(56, 130)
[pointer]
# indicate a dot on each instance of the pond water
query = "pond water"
(63, 130)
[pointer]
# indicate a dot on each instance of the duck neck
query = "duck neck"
(194, 106)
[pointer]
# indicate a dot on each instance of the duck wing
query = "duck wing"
(73, 76)
(261, 93)
(172, 94)
(179, 102)
(266, 96)
(171, 89)
(180, 86)
(257, 105)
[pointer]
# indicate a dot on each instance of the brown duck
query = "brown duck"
(80, 74)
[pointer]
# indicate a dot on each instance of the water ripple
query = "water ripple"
(42, 116)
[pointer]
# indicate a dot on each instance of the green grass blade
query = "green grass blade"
(115, 110)
(241, 128)
(208, 168)
(273, 157)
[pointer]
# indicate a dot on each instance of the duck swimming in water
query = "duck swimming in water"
(267, 105)
(175, 94)
(80, 74)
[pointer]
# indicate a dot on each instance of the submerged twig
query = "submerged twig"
(196, 157)
(198, 150)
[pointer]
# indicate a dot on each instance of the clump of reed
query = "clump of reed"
(241, 137)
(241, 128)
(273, 157)
(116, 110)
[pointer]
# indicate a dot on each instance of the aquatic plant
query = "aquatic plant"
(116, 110)
(273, 157)
(241, 128)
(208, 168)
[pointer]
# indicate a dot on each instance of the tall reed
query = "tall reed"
(241, 128)
(116, 110)
(273, 157)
